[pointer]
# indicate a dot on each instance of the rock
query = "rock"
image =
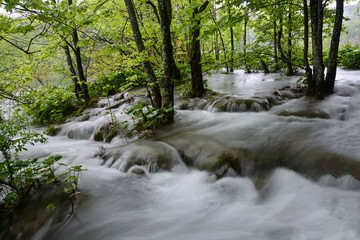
(305, 113)
(153, 155)
(52, 130)
(106, 133)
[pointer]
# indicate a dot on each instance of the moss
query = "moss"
(93, 102)
(106, 133)
(52, 130)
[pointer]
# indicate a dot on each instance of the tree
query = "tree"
(197, 84)
(155, 95)
(334, 47)
(319, 87)
(167, 81)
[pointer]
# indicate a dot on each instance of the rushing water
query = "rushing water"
(173, 200)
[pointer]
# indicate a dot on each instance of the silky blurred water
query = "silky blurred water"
(186, 203)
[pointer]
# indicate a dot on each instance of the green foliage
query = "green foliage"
(69, 178)
(117, 82)
(19, 177)
(145, 118)
(349, 57)
(50, 104)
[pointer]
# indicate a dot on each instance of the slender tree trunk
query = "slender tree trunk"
(275, 48)
(290, 70)
(310, 82)
(197, 84)
(263, 64)
(247, 69)
(217, 55)
(155, 94)
(224, 50)
(316, 12)
(232, 45)
(167, 82)
(334, 48)
(282, 55)
(79, 66)
(77, 87)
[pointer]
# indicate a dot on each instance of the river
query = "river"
(237, 166)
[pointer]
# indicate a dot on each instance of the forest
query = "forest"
(223, 106)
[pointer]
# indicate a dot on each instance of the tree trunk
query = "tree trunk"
(155, 94)
(80, 71)
(316, 12)
(77, 87)
(290, 71)
(224, 50)
(197, 84)
(217, 55)
(263, 64)
(232, 45)
(309, 79)
(275, 48)
(247, 69)
(334, 47)
(282, 55)
(167, 82)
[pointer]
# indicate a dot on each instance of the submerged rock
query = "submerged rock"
(153, 155)
(106, 133)
(52, 130)
(305, 113)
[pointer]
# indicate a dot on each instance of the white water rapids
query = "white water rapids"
(186, 203)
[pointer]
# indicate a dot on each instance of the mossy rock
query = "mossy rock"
(106, 133)
(308, 113)
(152, 155)
(52, 130)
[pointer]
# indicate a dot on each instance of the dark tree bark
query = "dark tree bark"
(155, 94)
(290, 70)
(263, 64)
(310, 82)
(167, 82)
(275, 48)
(232, 46)
(247, 69)
(334, 48)
(77, 87)
(217, 55)
(79, 66)
(316, 12)
(197, 84)
(284, 58)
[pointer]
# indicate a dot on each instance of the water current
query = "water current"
(310, 150)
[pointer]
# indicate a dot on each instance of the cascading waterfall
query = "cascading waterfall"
(289, 171)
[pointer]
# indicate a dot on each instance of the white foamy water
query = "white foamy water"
(185, 203)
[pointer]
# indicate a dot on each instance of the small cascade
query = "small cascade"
(100, 120)
(153, 155)
(226, 104)
(345, 182)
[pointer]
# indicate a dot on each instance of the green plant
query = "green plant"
(116, 82)
(349, 57)
(50, 104)
(69, 180)
(145, 118)
(19, 177)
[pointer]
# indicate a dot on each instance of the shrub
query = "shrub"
(117, 82)
(19, 177)
(50, 104)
